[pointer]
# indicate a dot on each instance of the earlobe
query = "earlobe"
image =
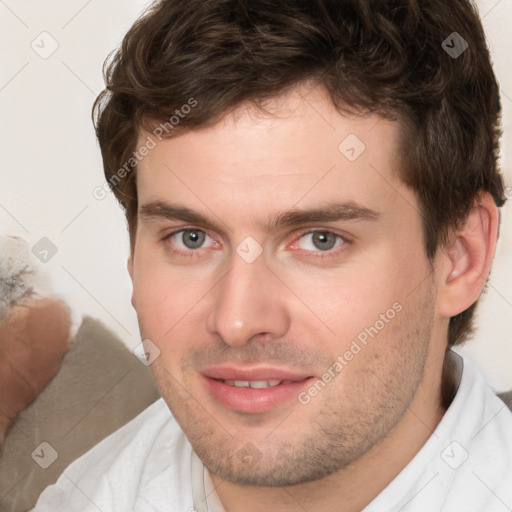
(467, 258)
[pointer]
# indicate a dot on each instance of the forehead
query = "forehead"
(299, 149)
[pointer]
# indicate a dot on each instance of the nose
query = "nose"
(249, 301)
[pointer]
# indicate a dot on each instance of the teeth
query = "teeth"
(259, 384)
(255, 384)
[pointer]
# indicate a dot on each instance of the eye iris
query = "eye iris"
(324, 241)
(193, 239)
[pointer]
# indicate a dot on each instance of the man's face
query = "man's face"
(279, 268)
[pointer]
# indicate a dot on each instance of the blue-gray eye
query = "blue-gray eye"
(191, 239)
(320, 241)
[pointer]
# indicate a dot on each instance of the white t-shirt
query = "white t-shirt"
(149, 466)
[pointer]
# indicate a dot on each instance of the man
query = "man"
(312, 197)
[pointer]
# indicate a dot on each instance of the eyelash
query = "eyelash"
(308, 254)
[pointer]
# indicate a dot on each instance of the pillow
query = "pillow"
(507, 398)
(101, 386)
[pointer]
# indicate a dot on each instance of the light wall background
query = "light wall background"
(51, 163)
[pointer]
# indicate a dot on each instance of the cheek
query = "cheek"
(162, 299)
(364, 300)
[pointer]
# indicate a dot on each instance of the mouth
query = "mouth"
(254, 390)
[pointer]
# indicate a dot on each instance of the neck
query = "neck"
(356, 485)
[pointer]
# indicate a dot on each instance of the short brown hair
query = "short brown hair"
(389, 57)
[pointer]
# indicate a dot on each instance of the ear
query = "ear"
(129, 266)
(465, 261)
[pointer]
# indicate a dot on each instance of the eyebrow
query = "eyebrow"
(331, 212)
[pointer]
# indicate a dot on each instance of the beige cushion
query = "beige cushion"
(100, 387)
(507, 398)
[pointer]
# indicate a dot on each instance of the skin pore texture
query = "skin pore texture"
(299, 305)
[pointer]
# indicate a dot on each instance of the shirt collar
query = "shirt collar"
(204, 495)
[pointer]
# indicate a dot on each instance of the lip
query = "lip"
(250, 400)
